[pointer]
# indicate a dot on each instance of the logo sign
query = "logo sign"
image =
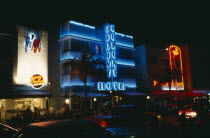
(32, 43)
(104, 86)
(37, 81)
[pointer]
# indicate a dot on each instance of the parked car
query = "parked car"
(121, 115)
(77, 128)
(7, 131)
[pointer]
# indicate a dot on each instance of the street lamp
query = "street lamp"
(67, 101)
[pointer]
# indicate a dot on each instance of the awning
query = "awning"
(30, 93)
(90, 94)
(135, 93)
(19, 91)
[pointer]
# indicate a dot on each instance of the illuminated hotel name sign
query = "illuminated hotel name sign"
(37, 81)
(102, 86)
(111, 61)
(110, 51)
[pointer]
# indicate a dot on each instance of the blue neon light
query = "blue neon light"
(124, 44)
(123, 35)
(107, 37)
(106, 29)
(113, 37)
(69, 55)
(81, 24)
(125, 62)
(129, 36)
(110, 51)
(103, 86)
(107, 46)
(109, 64)
(113, 46)
(86, 36)
(114, 71)
(114, 63)
(112, 28)
(113, 54)
(129, 82)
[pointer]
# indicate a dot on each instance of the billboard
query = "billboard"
(32, 56)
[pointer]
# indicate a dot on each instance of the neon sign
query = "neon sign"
(110, 46)
(111, 62)
(103, 86)
(37, 81)
(175, 58)
(32, 43)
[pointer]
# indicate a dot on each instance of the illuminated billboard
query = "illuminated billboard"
(32, 56)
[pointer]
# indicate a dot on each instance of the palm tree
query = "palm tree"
(169, 76)
(86, 66)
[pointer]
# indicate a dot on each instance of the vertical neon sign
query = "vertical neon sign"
(111, 62)
(175, 58)
(110, 51)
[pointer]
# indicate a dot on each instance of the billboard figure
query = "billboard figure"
(27, 43)
(32, 43)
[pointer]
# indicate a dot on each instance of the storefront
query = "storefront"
(11, 107)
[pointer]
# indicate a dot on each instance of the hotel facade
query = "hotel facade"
(105, 43)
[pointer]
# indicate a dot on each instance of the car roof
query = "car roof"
(65, 123)
(4, 125)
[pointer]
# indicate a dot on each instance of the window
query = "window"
(66, 46)
(124, 53)
(75, 45)
(122, 72)
(84, 46)
(79, 45)
(66, 69)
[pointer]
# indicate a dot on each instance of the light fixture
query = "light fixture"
(67, 101)
(94, 99)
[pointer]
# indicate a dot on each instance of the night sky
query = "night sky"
(148, 21)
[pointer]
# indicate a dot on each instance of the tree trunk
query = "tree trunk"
(85, 96)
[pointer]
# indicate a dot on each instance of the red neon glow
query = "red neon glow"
(103, 123)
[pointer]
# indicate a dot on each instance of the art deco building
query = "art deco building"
(156, 62)
(104, 42)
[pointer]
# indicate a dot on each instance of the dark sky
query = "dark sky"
(170, 19)
(147, 20)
